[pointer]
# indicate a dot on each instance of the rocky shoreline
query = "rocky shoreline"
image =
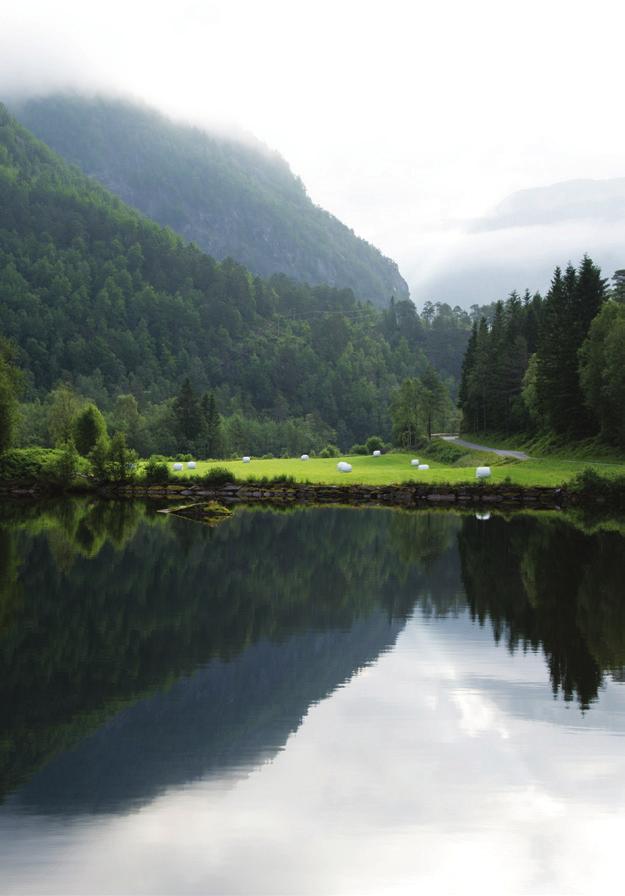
(284, 494)
(408, 495)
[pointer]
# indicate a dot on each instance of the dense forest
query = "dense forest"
(551, 365)
(233, 197)
(99, 301)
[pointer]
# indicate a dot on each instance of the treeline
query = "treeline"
(554, 364)
(189, 423)
(97, 297)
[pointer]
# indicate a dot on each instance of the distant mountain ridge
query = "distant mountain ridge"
(234, 199)
(570, 200)
(521, 240)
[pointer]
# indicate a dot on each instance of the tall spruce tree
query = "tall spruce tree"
(590, 295)
(187, 415)
(513, 363)
(496, 399)
(480, 379)
(533, 314)
(557, 396)
(466, 400)
(212, 426)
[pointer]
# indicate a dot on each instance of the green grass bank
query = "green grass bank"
(448, 464)
(390, 469)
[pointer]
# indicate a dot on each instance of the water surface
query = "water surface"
(320, 701)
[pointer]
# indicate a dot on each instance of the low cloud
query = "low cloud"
(519, 244)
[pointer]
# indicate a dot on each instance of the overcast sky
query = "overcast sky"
(403, 118)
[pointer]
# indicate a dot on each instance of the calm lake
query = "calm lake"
(324, 701)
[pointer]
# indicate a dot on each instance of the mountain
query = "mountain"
(93, 293)
(232, 197)
(519, 243)
(572, 200)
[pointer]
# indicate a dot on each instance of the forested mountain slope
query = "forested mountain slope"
(93, 293)
(234, 199)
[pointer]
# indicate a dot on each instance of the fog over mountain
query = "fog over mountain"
(518, 244)
(573, 200)
(404, 122)
(235, 198)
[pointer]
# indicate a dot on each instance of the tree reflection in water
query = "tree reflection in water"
(103, 604)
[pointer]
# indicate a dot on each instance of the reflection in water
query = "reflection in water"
(93, 628)
(544, 583)
(142, 656)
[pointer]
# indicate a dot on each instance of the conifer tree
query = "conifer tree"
(533, 313)
(571, 304)
(496, 399)
(553, 382)
(496, 391)
(480, 376)
(465, 393)
(618, 289)
(590, 295)
(187, 415)
(212, 426)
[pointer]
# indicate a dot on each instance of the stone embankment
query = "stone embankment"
(408, 495)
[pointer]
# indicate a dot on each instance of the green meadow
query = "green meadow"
(394, 468)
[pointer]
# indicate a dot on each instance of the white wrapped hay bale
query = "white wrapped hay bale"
(344, 467)
(482, 472)
(177, 467)
(482, 515)
(191, 465)
(246, 459)
(305, 457)
(377, 453)
(414, 462)
(424, 466)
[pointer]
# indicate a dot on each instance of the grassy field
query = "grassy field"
(394, 468)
